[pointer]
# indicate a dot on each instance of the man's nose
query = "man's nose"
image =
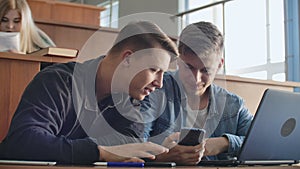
(158, 82)
(198, 76)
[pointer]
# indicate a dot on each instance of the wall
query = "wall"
(91, 41)
(161, 12)
(164, 10)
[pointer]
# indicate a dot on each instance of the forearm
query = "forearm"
(31, 144)
(235, 143)
(216, 145)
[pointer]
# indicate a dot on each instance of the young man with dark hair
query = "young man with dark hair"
(79, 113)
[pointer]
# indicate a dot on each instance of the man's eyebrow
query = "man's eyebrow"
(154, 67)
(159, 67)
(188, 64)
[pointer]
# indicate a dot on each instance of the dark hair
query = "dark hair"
(142, 35)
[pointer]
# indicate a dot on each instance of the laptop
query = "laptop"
(274, 134)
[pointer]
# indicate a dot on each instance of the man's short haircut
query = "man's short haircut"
(201, 38)
(142, 35)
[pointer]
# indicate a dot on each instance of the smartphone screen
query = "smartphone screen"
(191, 136)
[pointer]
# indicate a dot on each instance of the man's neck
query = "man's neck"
(103, 79)
(199, 102)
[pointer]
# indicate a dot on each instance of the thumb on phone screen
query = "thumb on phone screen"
(171, 140)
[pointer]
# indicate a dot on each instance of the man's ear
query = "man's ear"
(221, 63)
(126, 57)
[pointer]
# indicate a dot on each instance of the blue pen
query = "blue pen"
(120, 164)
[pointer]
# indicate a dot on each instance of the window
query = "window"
(109, 16)
(254, 34)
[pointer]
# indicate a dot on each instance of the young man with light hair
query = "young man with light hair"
(189, 98)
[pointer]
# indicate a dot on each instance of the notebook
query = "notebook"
(9, 41)
(274, 135)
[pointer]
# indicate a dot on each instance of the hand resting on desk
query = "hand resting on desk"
(131, 152)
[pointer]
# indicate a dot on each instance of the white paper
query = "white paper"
(9, 41)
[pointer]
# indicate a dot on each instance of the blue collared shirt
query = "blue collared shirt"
(227, 114)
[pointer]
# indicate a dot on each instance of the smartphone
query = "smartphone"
(160, 164)
(191, 136)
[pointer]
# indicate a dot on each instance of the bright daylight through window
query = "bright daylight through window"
(254, 35)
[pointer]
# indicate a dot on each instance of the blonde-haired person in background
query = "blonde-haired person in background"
(16, 17)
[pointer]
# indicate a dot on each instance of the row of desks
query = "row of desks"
(16, 71)
(183, 167)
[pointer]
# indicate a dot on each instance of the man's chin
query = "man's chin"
(193, 93)
(140, 97)
(199, 92)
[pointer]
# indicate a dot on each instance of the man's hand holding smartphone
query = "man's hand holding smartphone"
(191, 136)
(182, 154)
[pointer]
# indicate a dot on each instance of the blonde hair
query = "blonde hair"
(31, 37)
(203, 39)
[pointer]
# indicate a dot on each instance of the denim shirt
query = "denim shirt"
(227, 114)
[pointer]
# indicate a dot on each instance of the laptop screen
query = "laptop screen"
(275, 130)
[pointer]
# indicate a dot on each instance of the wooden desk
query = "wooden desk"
(16, 71)
(91, 41)
(251, 90)
(184, 167)
(65, 12)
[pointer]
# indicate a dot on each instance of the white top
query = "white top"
(196, 118)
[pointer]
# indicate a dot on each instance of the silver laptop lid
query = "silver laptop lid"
(275, 130)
